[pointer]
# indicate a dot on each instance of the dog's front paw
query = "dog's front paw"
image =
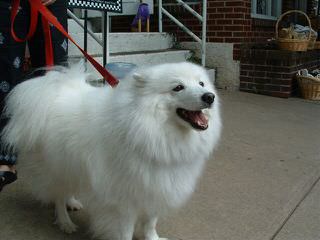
(67, 227)
(74, 205)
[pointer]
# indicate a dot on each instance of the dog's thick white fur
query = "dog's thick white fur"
(126, 151)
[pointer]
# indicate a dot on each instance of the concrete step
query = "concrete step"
(123, 42)
(151, 57)
(141, 58)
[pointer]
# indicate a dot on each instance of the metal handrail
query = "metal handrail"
(78, 21)
(183, 27)
(202, 19)
(104, 43)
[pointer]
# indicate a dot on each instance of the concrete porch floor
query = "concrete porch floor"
(263, 183)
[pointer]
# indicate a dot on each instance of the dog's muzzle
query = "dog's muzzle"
(208, 98)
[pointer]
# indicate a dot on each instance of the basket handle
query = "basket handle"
(288, 12)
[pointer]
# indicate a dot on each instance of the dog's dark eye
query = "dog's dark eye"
(201, 84)
(178, 88)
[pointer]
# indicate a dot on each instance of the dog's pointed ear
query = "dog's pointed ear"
(139, 80)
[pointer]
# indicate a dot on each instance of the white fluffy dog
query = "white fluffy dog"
(132, 153)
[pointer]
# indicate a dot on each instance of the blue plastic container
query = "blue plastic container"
(120, 69)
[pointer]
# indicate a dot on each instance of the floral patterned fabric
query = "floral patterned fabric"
(12, 53)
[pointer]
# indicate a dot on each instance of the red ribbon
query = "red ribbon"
(37, 7)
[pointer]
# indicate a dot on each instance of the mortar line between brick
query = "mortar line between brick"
(295, 208)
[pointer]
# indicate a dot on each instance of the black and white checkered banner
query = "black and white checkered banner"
(104, 5)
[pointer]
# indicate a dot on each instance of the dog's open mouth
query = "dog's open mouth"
(196, 118)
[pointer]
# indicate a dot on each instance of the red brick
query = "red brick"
(225, 10)
(255, 86)
(241, 22)
(247, 66)
(235, 3)
(239, 34)
(244, 73)
(211, 22)
(246, 79)
(243, 85)
(233, 28)
(216, 16)
(274, 75)
(258, 74)
(260, 80)
(211, 10)
(286, 89)
(215, 28)
(280, 94)
(234, 15)
(211, 34)
(216, 4)
(216, 39)
(224, 34)
(241, 10)
(233, 40)
(224, 22)
(281, 82)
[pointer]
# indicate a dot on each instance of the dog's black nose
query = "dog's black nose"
(208, 98)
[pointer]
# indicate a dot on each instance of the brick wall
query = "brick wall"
(287, 5)
(228, 21)
(272, 72)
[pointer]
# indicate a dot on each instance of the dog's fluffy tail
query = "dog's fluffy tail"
(29, 104)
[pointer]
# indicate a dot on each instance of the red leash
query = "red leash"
(47, 17)
(47, 42)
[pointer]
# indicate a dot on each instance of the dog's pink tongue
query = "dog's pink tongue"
(199, 118)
